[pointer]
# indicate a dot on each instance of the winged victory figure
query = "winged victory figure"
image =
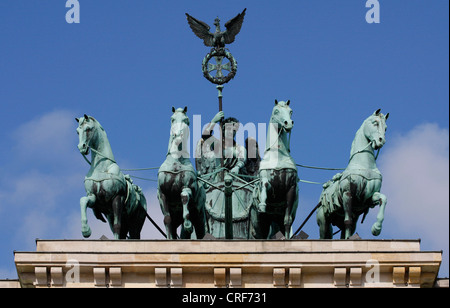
(218, 39)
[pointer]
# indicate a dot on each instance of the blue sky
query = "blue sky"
(127, 64)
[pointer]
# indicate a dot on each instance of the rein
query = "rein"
(364, 150)
(99, 154)
(277, 140)
(318, 205)
(85, 158)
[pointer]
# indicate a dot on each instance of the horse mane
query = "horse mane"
(97, 123)
(369, 118)
(360, 129)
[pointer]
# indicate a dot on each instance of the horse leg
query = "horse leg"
(259, 225)
(382, 200)
(348, 221)
(325, 228)
(186, 195)
(124, 224)
(167, 219)
(135, 231)
(263, 226)
(117, 207)
(253, 222)
(86, 202)
(265, 186)
(199, 219)
(289, 215)
(138, 219)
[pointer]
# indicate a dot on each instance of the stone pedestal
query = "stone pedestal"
(228, 263)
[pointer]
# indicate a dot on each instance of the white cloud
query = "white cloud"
(50, 137)
(49, 185)
(415, 169)
(38, 189)
(42, 177)
(36, 224)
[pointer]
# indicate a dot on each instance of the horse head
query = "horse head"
(87, 133)
(179, 123)
(179, 132)
(281, 115)
(375, 129)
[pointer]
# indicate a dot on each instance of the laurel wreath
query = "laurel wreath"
(219, 53)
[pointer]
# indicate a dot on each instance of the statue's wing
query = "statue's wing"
(201, 29)
(233, 27)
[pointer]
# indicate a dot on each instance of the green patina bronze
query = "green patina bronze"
(219, 55)
(182, 200)
(110, 193)
(217, 40)
(238, 199)
(232, 193)
(276, 197)
(222, 166)
(354, 191)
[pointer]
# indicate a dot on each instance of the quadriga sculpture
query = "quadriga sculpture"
(276, 198)
(182, 200)
(110, 193)
(354, 191)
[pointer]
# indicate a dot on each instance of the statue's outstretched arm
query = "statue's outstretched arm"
(208, 130)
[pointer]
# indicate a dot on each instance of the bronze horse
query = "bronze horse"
(276, 198)
(354, 191)
(110, 193)
(182, 200)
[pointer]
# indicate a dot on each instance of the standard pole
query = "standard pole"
(221, 174)
(228, 182)
(228, 191)
(220, 88)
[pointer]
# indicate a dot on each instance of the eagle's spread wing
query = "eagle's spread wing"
(201, 29)
(233, 27)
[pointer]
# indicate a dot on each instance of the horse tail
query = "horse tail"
(135, 199)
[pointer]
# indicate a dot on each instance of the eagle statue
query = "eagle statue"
(218, 39)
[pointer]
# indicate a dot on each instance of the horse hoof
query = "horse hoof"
(376, 230)
(86, 232)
